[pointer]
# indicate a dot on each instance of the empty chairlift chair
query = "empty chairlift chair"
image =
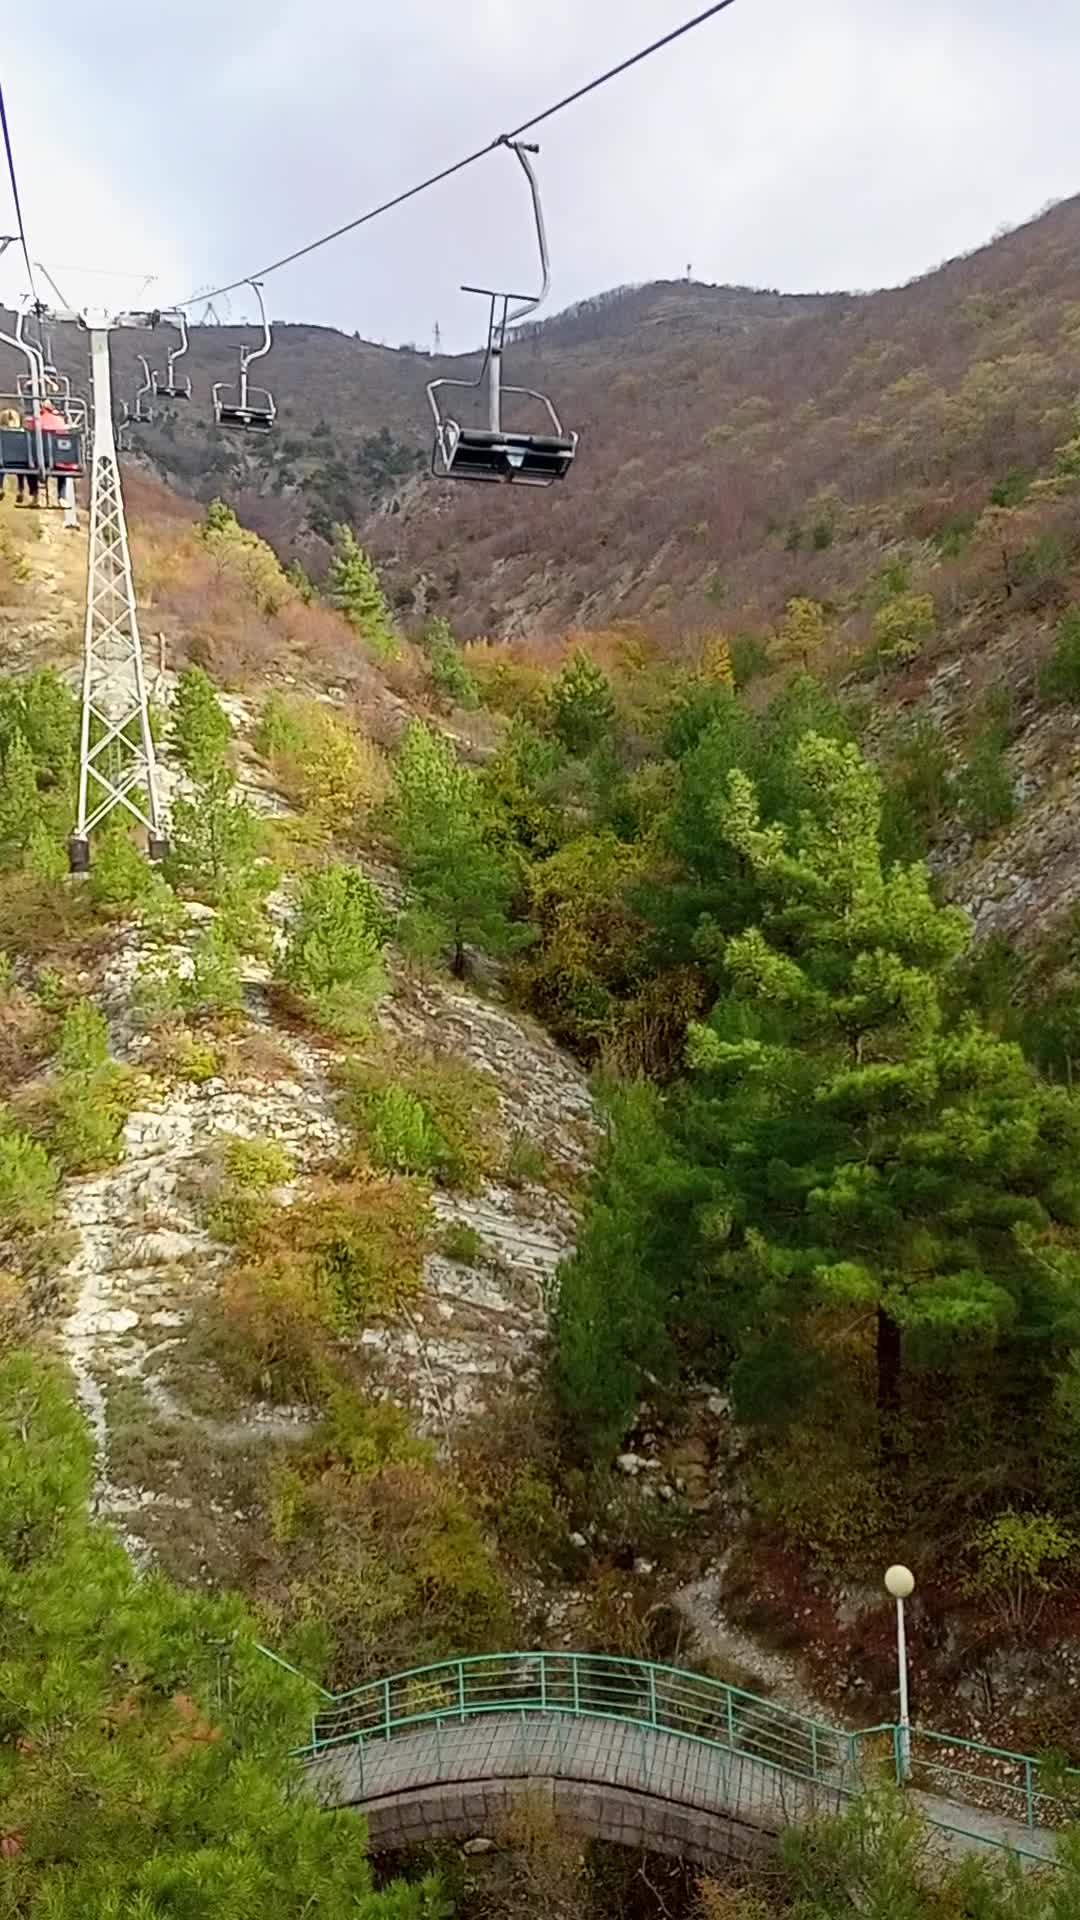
(496, 452)
(247, 408)
(170, 385)
(141, 413)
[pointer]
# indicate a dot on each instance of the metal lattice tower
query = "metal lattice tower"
(117, 765)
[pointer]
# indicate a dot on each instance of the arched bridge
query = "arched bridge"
(644, 1754)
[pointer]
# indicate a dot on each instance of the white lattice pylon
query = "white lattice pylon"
(117, 767)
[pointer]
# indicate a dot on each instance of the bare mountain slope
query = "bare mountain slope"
(336, 394)
(703, 459)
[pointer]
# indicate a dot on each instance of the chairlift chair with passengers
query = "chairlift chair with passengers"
(29, 451)
(250, 409)
(496, 452)
(169, 385)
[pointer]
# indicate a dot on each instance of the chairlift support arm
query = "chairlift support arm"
(37, 378)
(512, 313)
(248, 354)
(177, 353)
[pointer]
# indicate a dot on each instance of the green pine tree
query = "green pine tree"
(355, 590)
(462, 884)
(581, 705)
(853, 1143)
(200, 726)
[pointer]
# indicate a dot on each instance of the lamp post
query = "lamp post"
(900, 1583)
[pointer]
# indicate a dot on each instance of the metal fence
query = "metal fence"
(972, 1778)
(597, 1686)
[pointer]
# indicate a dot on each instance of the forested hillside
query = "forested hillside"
(578, 1143)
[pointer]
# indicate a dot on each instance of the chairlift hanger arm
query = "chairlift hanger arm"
(248, 354)
(529, 303)
(179, 319)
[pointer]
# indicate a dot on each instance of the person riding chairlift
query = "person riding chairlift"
(50, 420)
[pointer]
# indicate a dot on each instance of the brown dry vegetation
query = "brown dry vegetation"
(727, 477)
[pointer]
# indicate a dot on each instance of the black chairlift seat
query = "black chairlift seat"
(250, 412)
(61, 452)
(248, 419)
(514, 459)
(163, 391)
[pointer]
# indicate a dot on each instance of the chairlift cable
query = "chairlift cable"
(458, 166)
(13, 177)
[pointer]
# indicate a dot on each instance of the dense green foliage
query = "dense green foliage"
(861, 1199)
(142, 1763)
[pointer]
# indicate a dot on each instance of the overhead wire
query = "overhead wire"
(13, 177)
(469, 160)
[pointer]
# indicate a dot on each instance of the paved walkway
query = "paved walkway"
(614, 1781)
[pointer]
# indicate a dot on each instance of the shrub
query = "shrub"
(402, 1138)
(324, 765)
(426, 1114)
(448, 669)
(381, 1545)
(919, 791)
(84, 1039)
(257, 1165)
(88, 1112)
(984, 786)
(216, 842)
(749, 658)
(461, 1242)
(120, 877)
(1041, 561)
(715, 664)
(1059, 678)
(525, 1164)
(903, 625)
(802, 632)
(28, 1182)
(463, 883)
(951, 539)
(20, 802)
(214, 985)
(333, 958)
(211, 987)
(1012, 489)
(45, 857)
(581, 705)
(1018, 1557)
(245, 562)
(363, 1243)
(242, 1207)
(530, 1518)
(267, 1330)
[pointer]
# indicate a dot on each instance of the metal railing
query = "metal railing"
(691, 1706)
(995, 1779)
(596, 1686)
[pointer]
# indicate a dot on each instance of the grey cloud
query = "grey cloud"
(786, 144)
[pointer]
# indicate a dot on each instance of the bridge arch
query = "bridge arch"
(633, 1751)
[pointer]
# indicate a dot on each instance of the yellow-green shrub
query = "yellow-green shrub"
(424, 1113)
(323, 764)
(903, 626)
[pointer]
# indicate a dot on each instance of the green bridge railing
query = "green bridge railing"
(635, 1692)
(694, 1707)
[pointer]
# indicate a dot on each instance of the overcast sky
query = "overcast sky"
(800, 144)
